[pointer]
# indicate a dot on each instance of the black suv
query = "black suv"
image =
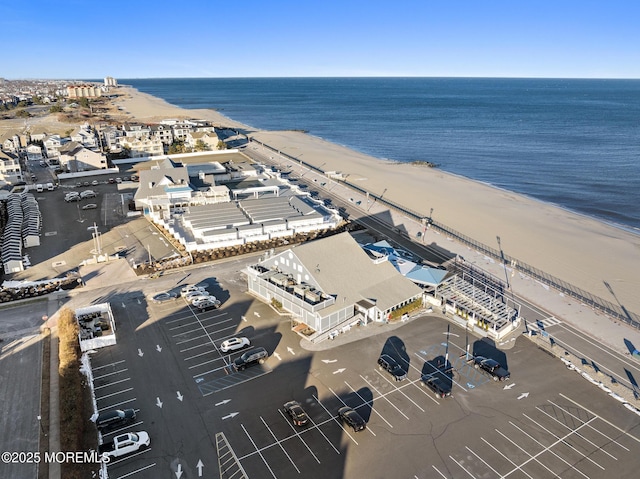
(251, 357)
(390, 365)
(115, 418)
(441, 388)
(491, 367)
(352, 418)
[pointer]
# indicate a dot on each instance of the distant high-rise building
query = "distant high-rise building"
(110, 81)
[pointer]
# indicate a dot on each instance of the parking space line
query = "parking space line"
(235, 383)
(107, 365)
(531, 457)
(194, 347)
(500, 453)
(461, 467)
(210, 371)
(443, 375)
(189, 323)
(335, 418)
(603, 420)
(483, 461)
(399, 389)
(438, 471)
(579, 435)
(207, 335)
(117, 404)
(540, 444)
(421, 387)
(535, 457)
(113, 394)
(119, 430)
(383, 396)
(186, 316)
(197, 355)
(331, 418)
(129, 456)
(110, 374)
(571, 432)
(111, 384)
(258, 451)
(279, 443)
(136, 471)
(356, 392)
(345, 404)
(207, 362)
(295, 431)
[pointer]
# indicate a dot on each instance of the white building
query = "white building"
(330, 285)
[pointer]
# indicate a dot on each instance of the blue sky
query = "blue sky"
(269, 38)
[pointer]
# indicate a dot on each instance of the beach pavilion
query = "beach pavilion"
(330, 285)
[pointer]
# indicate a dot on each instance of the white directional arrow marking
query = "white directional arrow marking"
(140, 353)
(179, 471)
(158, 348)
(244, 318)
(452, 334)
(221, 403)
(291, 350)
(278, 357)
(139, 301)
(338, 371)
(329, 361)
(230, 416)
(256, 313)
(180, 396)
(199, 466)
(509, 386)
(159, 403)
(123, 305)
(523, 395)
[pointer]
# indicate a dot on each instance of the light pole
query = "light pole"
(40, 422)
(504, 264)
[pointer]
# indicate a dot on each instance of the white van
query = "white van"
(49, 186)
(39, 188)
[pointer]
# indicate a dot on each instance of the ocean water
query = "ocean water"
(573, 143)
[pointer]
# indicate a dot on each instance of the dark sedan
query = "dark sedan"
(296, 413)
(352, 418)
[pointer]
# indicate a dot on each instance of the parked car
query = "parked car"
(233, 344)
(95, 183)
(112, 180)
(115, 418)
(296, 413)
(88, 194)
(392, 366)
(71, 198)
(491, 367)
(90, 206)
(164, 297)
(351, 417)
(441, 388)
(196, 295)
(125, 444)
(206, 304)
(192, 288)
(250, 358)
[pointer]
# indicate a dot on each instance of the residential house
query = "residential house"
(86, 137)
(210, 139)
(141, 147)
(74, 157)
(163, 133)
(34, 152)
(111, 138)
(10, 171)
(52, 145)
(136, 131)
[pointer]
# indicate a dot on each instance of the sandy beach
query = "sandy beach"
(579, 250)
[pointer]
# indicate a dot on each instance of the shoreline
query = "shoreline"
(579, 249)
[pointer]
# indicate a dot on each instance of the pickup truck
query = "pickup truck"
(125, 444)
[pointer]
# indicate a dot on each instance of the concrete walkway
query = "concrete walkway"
(54, 406)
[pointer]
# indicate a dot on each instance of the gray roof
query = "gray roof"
(339, 267)
(154, 181)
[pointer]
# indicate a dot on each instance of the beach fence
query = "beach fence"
(616, 311)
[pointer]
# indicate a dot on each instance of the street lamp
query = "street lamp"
(40, 422)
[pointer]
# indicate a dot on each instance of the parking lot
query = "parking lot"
(543, 422)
